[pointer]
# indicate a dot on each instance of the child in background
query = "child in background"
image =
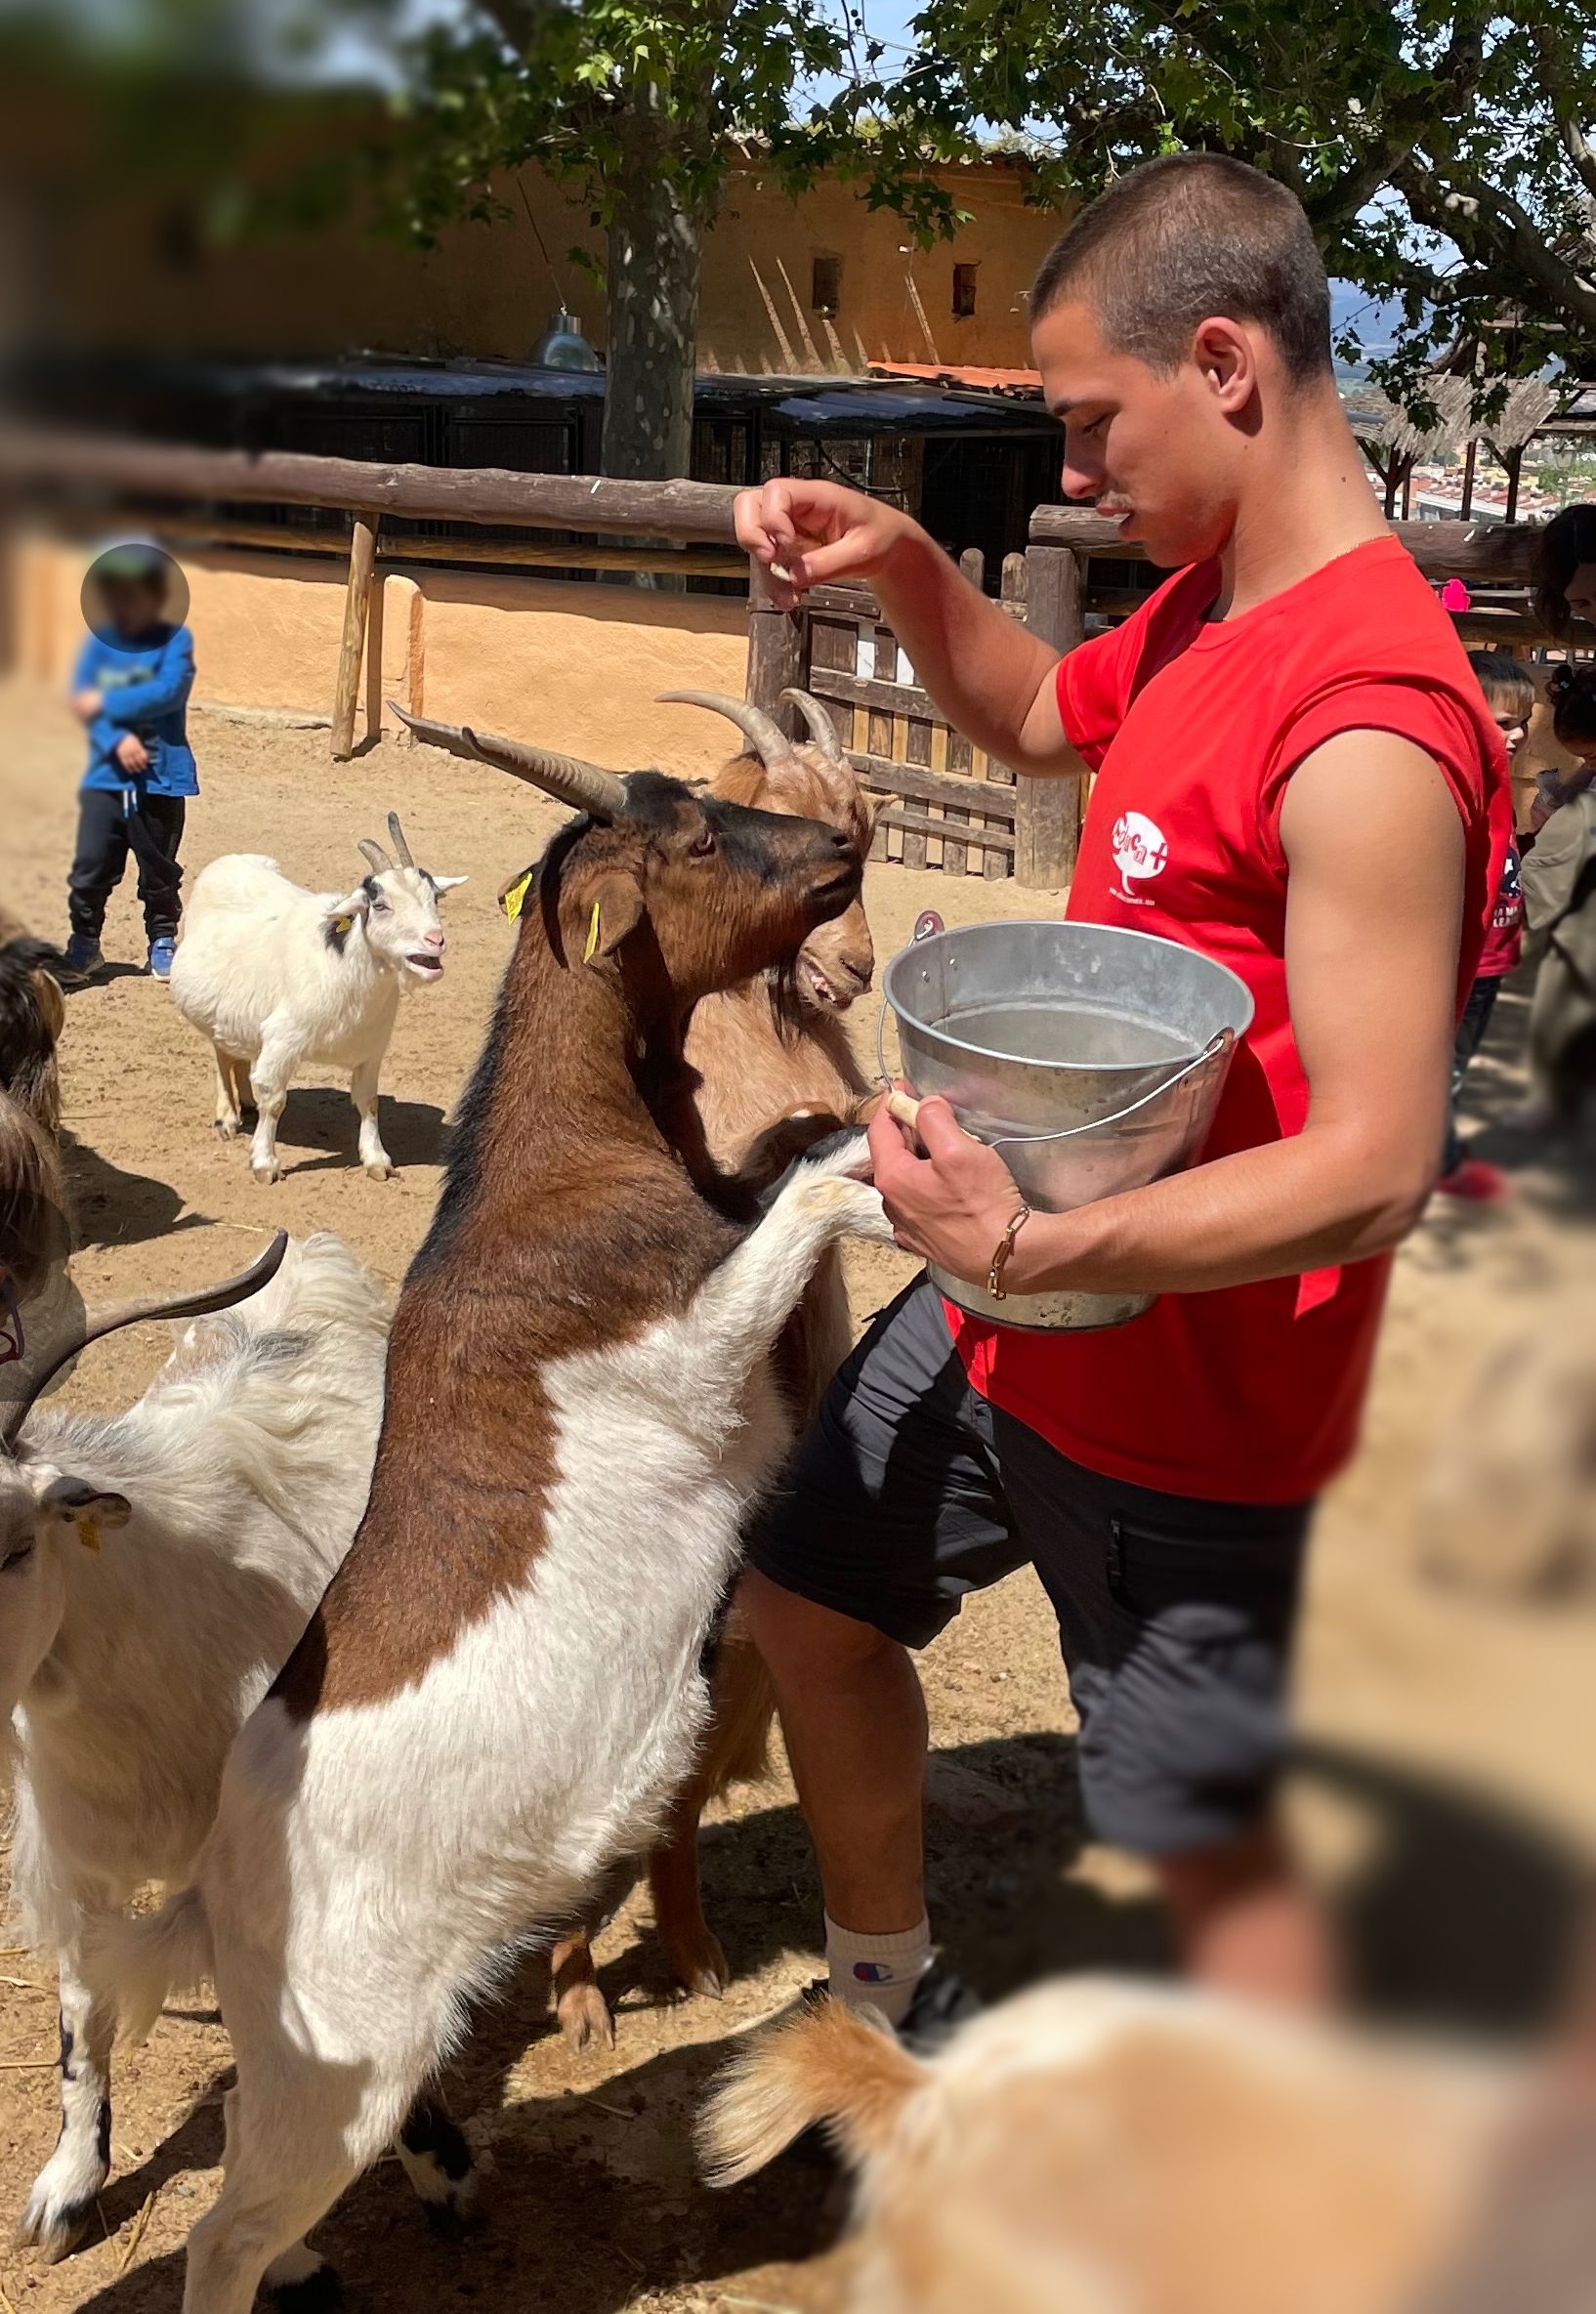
(1560, 897)
(1510, 697)
(1571, 691)
(130, 690)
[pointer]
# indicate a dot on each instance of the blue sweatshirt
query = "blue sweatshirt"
(146, 684)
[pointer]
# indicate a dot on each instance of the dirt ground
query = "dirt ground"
(1445, 1786)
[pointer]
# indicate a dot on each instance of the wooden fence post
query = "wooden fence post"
(777, 648)
(363, 557)
(1047, 811)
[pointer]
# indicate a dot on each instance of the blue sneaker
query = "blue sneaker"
(82, 955)
(162, 952)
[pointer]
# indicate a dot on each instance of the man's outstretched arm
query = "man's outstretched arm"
(993, 681)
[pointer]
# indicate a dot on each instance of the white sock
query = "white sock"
(877, 1971)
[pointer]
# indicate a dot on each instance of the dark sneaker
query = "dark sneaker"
(82, 955)
(162, 952)
(942, 2003)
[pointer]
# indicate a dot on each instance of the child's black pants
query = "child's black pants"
(106, 831)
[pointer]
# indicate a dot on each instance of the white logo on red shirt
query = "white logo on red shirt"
(1140, 850)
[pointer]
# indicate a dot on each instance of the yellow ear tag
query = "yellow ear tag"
(88, 1534)
(513, 901)
(592, 936)
(342, 925)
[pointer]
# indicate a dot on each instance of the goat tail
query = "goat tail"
(139, 1963)
(831, 2064)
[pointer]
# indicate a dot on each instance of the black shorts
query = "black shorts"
(1175, 1614)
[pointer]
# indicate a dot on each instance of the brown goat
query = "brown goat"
(33, 1232)
(769, 1056)
(499, 1693)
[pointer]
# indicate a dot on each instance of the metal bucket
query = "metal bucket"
(1092, 1058)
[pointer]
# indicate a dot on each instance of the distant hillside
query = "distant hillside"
(1376, 320)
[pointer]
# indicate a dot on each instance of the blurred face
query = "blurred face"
(1514, 725)
(1581, 593)
(133, 605)
(1160, 455)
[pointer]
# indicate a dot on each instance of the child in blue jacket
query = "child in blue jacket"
(130, 688)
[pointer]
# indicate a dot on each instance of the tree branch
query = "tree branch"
(1558, 95)
(1488, 225)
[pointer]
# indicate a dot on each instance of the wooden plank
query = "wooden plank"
(853, 602)
(1502, 552)
(1048, 812)
(1013, 597)
(362, 560)
(777, 647)
(684, 509)
(998, 840)
(502, 553)
(880, 774)
(832, 643)
(879, 721)
(882, 698)
(973, 564)
(917, 752)
(956, 859)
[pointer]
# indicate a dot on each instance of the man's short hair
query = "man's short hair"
(1186, 237)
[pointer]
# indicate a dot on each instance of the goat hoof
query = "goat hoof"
(266, 1174)
(225, 1128)
(54, 2228)
(584, 2017)
(379, 1170)
(453, 2221)
(704, 1972)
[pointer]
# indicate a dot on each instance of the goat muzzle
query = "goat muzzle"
(139, 1313)
(585, 786)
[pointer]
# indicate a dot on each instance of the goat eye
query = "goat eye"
(15, 1558)
(703, 843)
(379, 906)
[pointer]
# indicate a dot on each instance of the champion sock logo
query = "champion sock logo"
(872, 1972)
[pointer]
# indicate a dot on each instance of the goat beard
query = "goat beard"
(789, 1006)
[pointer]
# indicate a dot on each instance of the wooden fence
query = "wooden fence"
(944, 804)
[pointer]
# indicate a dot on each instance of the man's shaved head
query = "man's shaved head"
(1189, 238)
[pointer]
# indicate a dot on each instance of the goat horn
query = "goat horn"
(375, 857)
(395, 836)
(769, 742)
(585, 786)
(183, 1305)
(822, 730)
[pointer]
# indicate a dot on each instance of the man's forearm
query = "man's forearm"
(983, 668)
(1309, 1202)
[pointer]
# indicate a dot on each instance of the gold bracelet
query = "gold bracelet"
(1000, 1259)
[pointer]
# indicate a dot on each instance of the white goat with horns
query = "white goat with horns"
(275, 977)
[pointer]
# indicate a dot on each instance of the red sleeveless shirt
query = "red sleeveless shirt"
(1250, 1393)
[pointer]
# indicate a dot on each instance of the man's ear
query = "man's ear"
(614, 908)
(85, 1507)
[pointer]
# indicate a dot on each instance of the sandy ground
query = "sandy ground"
(1446, 1779)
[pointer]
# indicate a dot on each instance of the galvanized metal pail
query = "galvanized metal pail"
(1092, 1058)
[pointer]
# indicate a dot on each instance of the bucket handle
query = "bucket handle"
(1220, 1042)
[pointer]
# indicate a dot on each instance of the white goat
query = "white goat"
(214, 1511)
(275, 977)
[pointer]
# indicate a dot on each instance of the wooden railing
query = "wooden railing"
(944, 804)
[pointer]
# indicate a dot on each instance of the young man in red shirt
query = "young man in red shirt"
(1292, 693)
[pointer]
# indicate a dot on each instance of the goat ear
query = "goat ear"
(85, 1507)
(614, 908)
(341, 913)
(448, 883)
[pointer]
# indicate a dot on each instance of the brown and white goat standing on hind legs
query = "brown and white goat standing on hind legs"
(773, 1070)
(500, 1691)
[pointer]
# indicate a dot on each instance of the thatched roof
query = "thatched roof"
(1384, 425)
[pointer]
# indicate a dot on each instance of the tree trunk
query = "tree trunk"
(656, 250)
